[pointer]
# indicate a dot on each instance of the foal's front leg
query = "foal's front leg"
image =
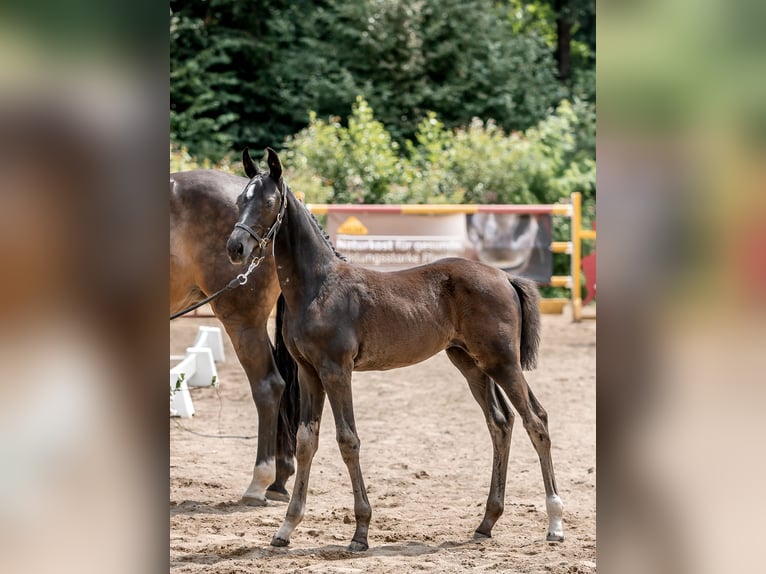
(307, 442)
(337, 384)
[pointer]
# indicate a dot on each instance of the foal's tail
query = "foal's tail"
(289, 406)
(530, 320)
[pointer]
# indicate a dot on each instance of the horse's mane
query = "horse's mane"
(319, 228)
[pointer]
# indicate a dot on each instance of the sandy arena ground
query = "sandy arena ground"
(426, 458)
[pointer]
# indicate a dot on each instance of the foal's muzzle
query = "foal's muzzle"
(236, 246)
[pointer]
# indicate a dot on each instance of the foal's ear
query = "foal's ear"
(251, 170)
(275, 166)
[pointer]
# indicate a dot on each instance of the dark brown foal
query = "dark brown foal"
(340, 318)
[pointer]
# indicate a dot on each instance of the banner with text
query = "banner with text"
(520, 244)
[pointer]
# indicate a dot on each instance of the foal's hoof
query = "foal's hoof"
(553, 537)
(279, 542)
(280, 495)
(481, 536)
(356, 546)
(254, 501)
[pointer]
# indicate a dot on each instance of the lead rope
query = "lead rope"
(240, 279)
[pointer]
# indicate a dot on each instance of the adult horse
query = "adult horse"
(340, 318)
(202, 212)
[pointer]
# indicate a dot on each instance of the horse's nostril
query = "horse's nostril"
(235, 249)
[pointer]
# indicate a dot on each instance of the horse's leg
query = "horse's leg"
(511, 379)
(337, 383)
(266, 390)
(307, 442)
(289, 410)
(266, 385)
(285, 459)
(499, 418)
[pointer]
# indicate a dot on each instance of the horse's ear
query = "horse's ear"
(275, 166)
(251, 170)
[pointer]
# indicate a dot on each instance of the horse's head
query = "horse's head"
(261, 207)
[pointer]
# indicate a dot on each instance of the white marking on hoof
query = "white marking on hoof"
(263, 476)
(555, 509)
(282, 537)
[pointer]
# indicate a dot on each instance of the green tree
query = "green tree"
(477, 66)
(247, 72)
(569, 29)
(204, 96)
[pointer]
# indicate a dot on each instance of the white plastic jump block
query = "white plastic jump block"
(197, 369)
(180, 400)
(211, 338)
(205, 373)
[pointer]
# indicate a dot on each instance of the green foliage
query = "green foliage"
(248, 72)
(177, 387)
(204, 98)
(182, 160)
(427, 175)
(478, 67)
(477, 164)
(359, 163)
(540, 17)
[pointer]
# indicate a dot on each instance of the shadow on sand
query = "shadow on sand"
(329, 553)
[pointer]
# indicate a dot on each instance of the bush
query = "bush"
(182, 160)
(476, 164)
(359, 163)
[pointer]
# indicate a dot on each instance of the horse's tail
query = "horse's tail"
(289, 406)
(529, 297)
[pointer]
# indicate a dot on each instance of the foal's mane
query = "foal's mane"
(317, 226)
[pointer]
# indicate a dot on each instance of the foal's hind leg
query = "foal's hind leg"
(499, 418)
(312, 402)
(535, 419)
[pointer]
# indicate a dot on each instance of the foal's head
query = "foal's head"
(261, 205)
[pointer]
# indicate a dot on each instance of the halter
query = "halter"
(271, 234)
(263, 242)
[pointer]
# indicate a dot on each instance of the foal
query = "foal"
(340, 318)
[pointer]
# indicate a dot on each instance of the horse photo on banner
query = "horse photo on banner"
(517, 243)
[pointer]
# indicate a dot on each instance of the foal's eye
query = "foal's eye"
(270, 202)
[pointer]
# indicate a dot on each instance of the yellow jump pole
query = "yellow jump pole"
(576, 256)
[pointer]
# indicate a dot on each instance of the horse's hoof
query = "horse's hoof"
(278, 495)
(553, 537)
(481, 536)
(279, 542)
(253, 501)
(357, 546)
